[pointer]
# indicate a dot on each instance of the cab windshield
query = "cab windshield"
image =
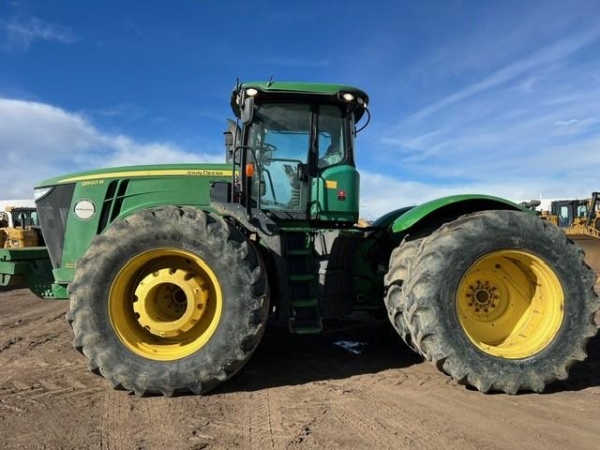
(281, 138)
(25, 217)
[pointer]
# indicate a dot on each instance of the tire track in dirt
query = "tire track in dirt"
(310, 410)
(46, 390)
(218, 421)
(373, 424)
(386, 409)
(48, 401)
(166, 416)
(458, 418)
(111, 433)
(277, 418)
(9, 343)
(258, 422)
(151, 422)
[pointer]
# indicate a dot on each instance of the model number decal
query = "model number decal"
(91, 182)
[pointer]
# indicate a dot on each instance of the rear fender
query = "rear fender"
(425, 218)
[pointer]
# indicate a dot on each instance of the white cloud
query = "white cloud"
(574, 126)
(528, 129)
(38, 141)
(544, 57)
(125, 111)
(381, 194)
(21, 34)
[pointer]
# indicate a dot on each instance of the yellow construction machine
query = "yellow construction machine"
(580, 220)
(19, 227)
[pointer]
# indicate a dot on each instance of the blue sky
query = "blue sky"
(494, 97)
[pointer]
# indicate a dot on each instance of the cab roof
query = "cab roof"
(296, 90)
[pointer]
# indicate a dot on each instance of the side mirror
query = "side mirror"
(228, 145)
(232, 137)
(247, 110)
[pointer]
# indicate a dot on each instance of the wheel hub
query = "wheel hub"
(482, 297)
(485, 295)
(510, 304)
(170, 302)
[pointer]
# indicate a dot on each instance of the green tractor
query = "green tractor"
(173, 271)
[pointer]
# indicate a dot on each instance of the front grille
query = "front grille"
(53, 210)
(113, 201)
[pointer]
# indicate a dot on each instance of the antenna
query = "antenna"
(270, 82)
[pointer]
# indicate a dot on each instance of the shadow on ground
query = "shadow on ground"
(283, 359)
(584, 374)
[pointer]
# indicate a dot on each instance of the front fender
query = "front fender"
(438, 211)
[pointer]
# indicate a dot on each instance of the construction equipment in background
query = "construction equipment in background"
(21, 244)
(580, 220)
(17, 213)
(173, 271)
(19, 224)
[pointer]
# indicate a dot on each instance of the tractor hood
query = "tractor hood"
(158, 170)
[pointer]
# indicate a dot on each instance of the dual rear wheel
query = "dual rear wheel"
(499, 300)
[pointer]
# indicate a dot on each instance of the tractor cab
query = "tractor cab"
(593, 216)
(569, 211)
(23, 217)
(293, 150)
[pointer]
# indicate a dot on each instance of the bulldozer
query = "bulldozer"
(173, 272)
(580, 220)
(19, 229)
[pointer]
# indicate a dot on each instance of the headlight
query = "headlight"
(348, 97)
(41, 192)
(251, 92)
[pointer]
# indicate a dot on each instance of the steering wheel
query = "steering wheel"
(265, 146)
(265, 153)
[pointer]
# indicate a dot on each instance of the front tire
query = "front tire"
(499, 300)
(167, 301)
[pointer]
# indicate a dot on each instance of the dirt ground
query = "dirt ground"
(295, 393)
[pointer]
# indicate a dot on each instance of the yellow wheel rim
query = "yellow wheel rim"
(165, 304)
(510, 304)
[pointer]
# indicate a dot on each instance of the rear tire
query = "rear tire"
(401, 257)
(499, 300)
(167, 301)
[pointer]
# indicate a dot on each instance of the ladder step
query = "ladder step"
(302, 277)
(301, 252)
(305, 326)
(302, 282)
(305, 303)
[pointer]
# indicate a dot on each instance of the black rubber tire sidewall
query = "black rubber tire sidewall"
(400, 259)
(452, 250)
(242, 281)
